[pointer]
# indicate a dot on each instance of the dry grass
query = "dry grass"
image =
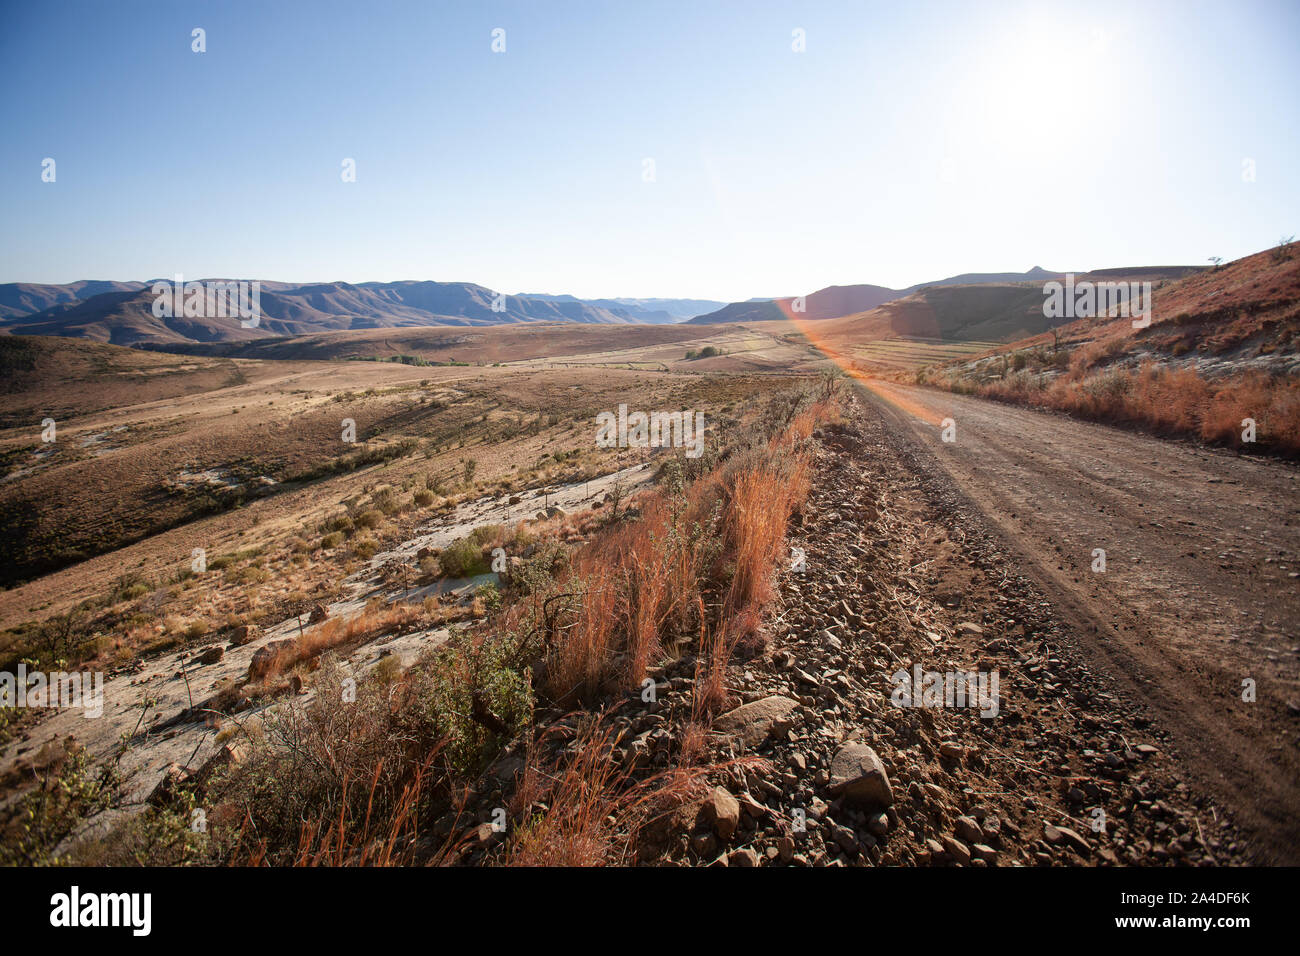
(340, 632)
(699, 561)
(1169, 401)
(1247, 312)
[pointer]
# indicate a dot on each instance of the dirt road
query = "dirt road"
(1200, 594)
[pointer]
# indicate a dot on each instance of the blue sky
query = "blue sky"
(907, 142)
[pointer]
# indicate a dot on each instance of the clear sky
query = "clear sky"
(909, 141)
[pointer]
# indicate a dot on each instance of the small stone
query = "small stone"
(743, 857)
(959, 852)
(845, 837)
(243, 634)
(858, 775)
(751, 806)
(1058, 836)
(951, 751)
(755, 721)
(723, 811)
(967, 829)
(212, 655)
(265, 658)
(785, 849)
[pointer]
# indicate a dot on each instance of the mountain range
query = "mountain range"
(122, 313)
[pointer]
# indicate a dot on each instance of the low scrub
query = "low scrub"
(1179, 402)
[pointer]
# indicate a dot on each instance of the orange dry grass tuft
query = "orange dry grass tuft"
(338, 632)
(580, 660)
(631, 584)
(706, 550)
(761, 504)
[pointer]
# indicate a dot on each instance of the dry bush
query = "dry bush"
(326, 779)
(594, 806)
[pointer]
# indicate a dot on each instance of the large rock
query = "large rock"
(265, 658)
(723, 811)
(243, 634)
(859, 777)
(755, 721)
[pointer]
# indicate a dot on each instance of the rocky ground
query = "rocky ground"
(1068, 772)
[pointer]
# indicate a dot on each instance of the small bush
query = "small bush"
(463, 558)
(341, 523)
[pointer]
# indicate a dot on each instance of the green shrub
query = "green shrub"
(463, 558)
(453, 676)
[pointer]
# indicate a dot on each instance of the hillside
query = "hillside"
(21, 299)
(1223, 345)
(837, 301)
